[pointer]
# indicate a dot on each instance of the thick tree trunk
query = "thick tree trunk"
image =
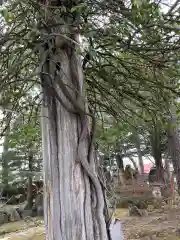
(167, 168)
(70, 200)
(5, 162)
(174, 145)
(120, 165)
(119, 161)
(138, 147)
(157, 152)
(29, 186)
(73, 196)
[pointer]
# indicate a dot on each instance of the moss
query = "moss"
(121, 212)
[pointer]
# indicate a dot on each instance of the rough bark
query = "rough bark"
(138, 147)
(174, 145)
(29, 185)
(134, 164)
(167, 168)
(5, 164)
(73, 196)
(119, 161)
(157, 152)
(120, 165)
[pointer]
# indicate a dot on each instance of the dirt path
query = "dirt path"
(31, 229)
(162, 225)
(158, 225)
(36, 233)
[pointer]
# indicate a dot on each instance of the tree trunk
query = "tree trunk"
(5, 162)
(29, 187)
(73, 196)
(138, 147)
(119, 162)
(167, 168)
(156, 151)
(120, 165)
(174, 145)
(134, 163)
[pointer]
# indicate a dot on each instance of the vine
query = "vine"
(59, 43)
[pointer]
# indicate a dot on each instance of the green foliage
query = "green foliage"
(132, 75)
(5, 14)
(26, 136)
(23, 140)
(78, 8)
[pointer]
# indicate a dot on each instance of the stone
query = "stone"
(156, 192)
(144, 212)
(134, 211)
(141, 205)
(13, 215)
(3, 218)
(21, 207)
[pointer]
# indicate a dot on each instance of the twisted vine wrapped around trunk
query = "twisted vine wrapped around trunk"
(74, 200)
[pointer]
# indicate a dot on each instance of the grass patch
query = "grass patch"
(121, 212)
